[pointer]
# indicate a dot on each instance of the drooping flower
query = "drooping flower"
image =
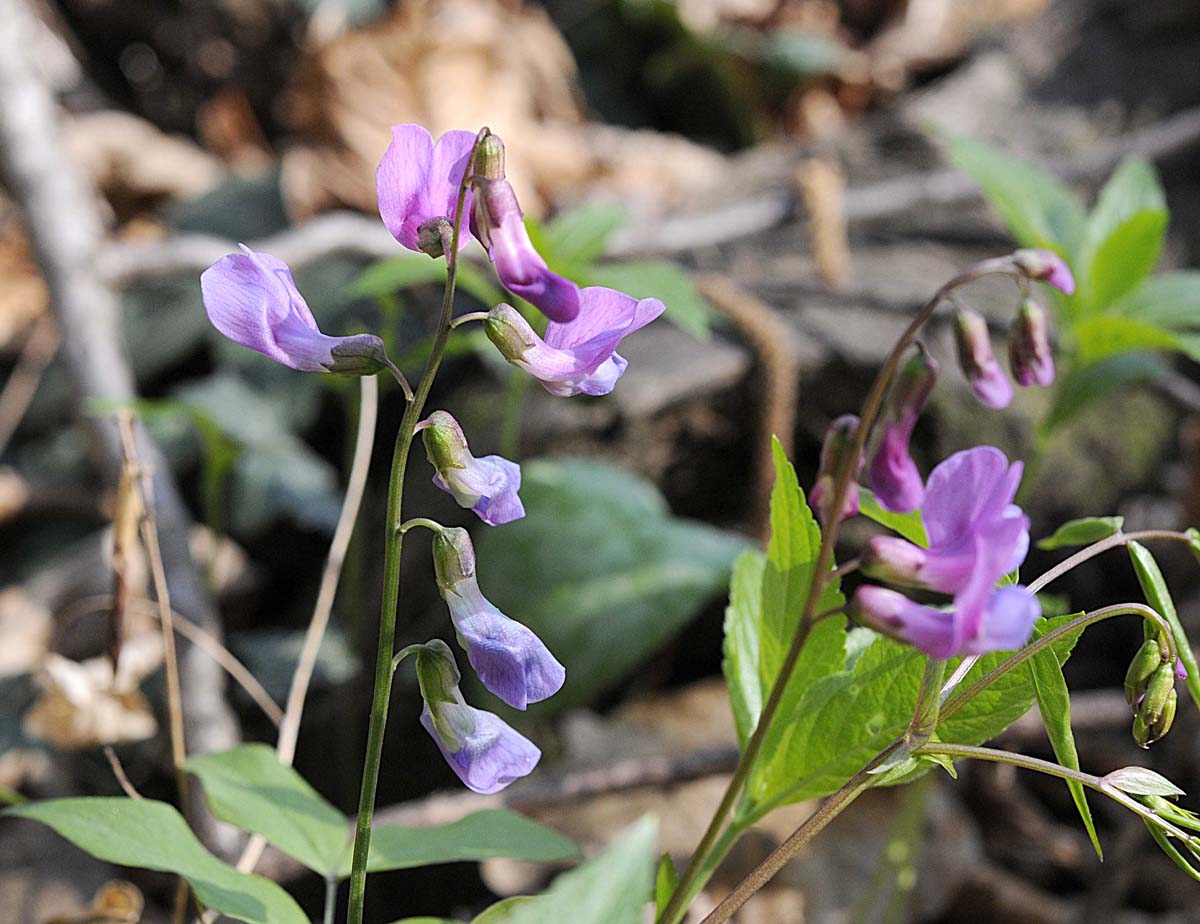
(509, 658)
(983, 373)
(838, 439)
(1029, 355)
(488, 485)
(976, 535)
(499, 224)
(252, 299)
(576, 357)
(893, 473)
(1046, 266)
(417, 185)
(481, 748)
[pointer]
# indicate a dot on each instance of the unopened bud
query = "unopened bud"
(1047, 267)
(1141, 732)
(1158, 691)
(360, 354)
(433, 235)
(437, 674)
(914, 384)
(1166, 718)
(894, 476)
(1029, 355)
(510, 332)
(1141, 669)
(839, 438)
(453, 557)
(445, 443)
(897, 561)
(489, 157)
(987, 380)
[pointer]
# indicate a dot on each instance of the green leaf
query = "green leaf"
(1038, 209)
(609, 889)
(908, 525)
(152, 835)
(1101, 336)
(1124, 234)
(480, 836)
(1170, 300)
(743, 625)
(1126, 257)
(666, 878)
(574, 239)
(1054, 704)
(1083, 531)
(1141, 781)
(503, 911)
(598, 557)
(1154, 586)
(385, 277)
(662, 280)
(1082, 387)
(1171, 850)
(250, 789)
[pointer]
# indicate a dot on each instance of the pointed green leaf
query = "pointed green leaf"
(743, 627)
(1126, 257)
(249, 788)
(1083, 531)
(1082, 387)
(1101, 336)
(1169, 848)
(666, 878)
(908, 525)
(1037, 208)
(611, 888)
(1054, 704)
(480, 836)
(1170, 300)
(1154, 586)
(1141, 781)
(152, 835)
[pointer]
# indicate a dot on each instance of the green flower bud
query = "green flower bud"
(1141, 669)
(437, 673)
(489, 157)
(510, 332)
(1141, 732)
(445, 444)
(453, 557)
(1166, 718)
(1161, 686)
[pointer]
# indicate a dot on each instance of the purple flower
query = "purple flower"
(417, 185)
(989, 383)
(1046, 266)
(252, 299)
(487, 485)
(1029, 353)
(976, 535)
(497, 222)
(485, 752)
(894, 475)
(576, 357)
(510, 659)
(838, 439)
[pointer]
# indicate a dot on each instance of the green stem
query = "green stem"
(391, 571)
(822, 574)
(414, 522)
(331, 885)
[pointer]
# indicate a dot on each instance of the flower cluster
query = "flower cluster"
(435, 198)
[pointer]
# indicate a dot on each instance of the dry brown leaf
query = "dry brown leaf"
(85, 704)
(117, 902)
(25, 631)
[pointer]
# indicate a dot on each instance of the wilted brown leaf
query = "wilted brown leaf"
(25, 630)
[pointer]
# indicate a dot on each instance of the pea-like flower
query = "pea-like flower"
(488, 484)
(417, 185)
(1046, 266)
(976, 535)
(252, 299)
(838, 440)
(894, 476)
(499, 224)
(509, 658)
(576, 357)
(983, 373)
(481, 748)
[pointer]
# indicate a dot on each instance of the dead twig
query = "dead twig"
(119, 772)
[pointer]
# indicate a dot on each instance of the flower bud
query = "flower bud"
(361, 354)
(437, 674)
(1166, 718)
(894, 476)
(989, 383)
(453, 557)
(1141, 669)
(838, 439)
(510, 332)
(1141, 732)
(1029, 355)
(1158, 691)
(1046, 266)
(887, 558)
(445, 443)
(489, 157)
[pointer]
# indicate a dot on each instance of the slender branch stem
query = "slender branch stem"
(400, 378)
(467, 318)
(391, 568)
(822, 574)
(331, 887)
(960, 698)
(414, 522)
(847, 567)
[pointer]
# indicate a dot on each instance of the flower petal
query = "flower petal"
(1008, 621)
(402, 180)
(493, 754)
(960, 489)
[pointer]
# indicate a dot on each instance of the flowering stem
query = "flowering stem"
(414, 522)
(391, 568)
(822, 574)
(466, 318)
(951, 704)
(401, 379)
